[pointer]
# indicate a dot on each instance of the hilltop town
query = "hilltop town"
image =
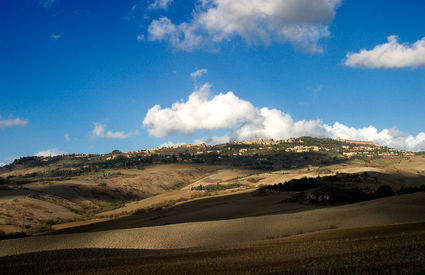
(257, 153)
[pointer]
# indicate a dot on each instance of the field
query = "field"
(191, 218)
(370, 250)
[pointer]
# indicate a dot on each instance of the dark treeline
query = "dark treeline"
(332, 189)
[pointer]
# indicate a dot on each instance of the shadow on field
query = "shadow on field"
(237, 206)
(207, 209)
(390, 249)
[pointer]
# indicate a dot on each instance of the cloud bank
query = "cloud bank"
(389, 55)
(11, 122)
(50, 153)
(99, 132)
(300, 22)
(203, 112)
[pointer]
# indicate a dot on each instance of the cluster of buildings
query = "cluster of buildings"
(357, 142)
(351, 149)
(301, 149)
(268, 141)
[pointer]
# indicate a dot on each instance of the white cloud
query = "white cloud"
(47, 3)
(99, 132)
(67, 138)
(170, 144)
(50, 153)
(11, 159)
(300, 22)
(213, 140)
(203, 111)
(140, 37)
(8, 161)
(11, 122)
(160, 4)
(56, 36)
(198, 73)
(389, 55)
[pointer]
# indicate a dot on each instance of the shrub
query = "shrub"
(384, 191)
(4, 236)
(44, 227)
(216, 187)
(411, 189)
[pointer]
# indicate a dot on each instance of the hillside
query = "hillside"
(259, 205)
(395, 210)
(39, 194)
(380, 249)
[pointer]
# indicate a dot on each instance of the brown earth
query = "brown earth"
(390, 249)
(392, 210)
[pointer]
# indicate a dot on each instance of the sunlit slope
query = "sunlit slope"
(393, 210)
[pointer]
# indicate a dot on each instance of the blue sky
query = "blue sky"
(69, 66)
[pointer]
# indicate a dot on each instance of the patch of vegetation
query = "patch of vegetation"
(217, 187)
(58, 220)
(411, 189)
(14, 180)
(302, 184)
(331, 190)
(41, 228)
(4, 235)
(5, 187)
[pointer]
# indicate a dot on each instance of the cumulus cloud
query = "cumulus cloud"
(99, 132)
(389, 55)
(212, 140)
(198, 73)
(160, 4)
(11, 122)
(203, 112)
(169, 144)
(50, 153)
(8, 161)
(300, 22)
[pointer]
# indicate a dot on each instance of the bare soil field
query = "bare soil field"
(392, 210)
(161, 225)
(390, 249)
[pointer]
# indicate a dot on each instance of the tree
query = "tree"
(384, 191)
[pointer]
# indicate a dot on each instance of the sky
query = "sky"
(94, 76)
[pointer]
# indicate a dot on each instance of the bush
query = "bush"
(44, 227)
(384, 191)
(302, 184)
(216, 187)
(4, 236)
(411, 189)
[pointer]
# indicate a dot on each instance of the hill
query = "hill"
(39, 194)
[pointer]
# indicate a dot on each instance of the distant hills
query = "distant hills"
(265, 154)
